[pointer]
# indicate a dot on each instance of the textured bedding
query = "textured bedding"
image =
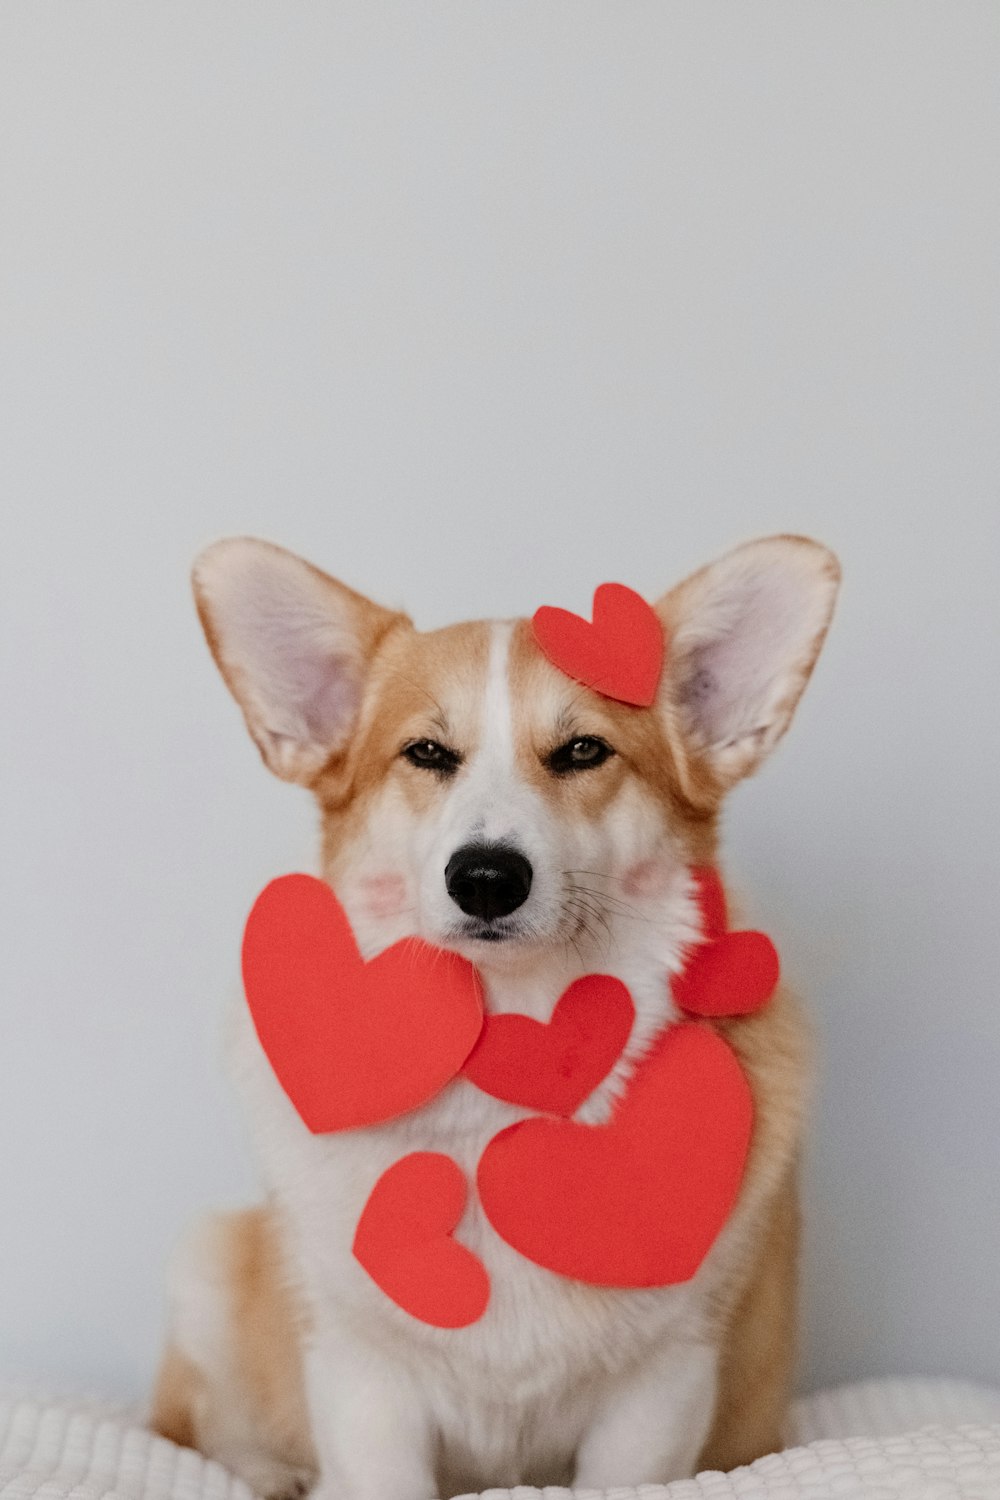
(881, 1440)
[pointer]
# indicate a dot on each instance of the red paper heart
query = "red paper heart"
(352, 1043)
(731, 973)
(403, 1240)
(735, 975)
(555, 1067)
(619, 655)
(639, 1201)
(711, 898)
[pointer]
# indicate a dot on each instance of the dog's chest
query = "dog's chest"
(539, 1330)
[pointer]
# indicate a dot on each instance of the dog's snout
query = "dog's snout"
(488, 880)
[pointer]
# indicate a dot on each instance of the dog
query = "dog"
(576, 822)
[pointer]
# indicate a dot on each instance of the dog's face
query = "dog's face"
(474, 795)
(494, 804)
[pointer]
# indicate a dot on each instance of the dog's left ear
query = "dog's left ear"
(743, 636)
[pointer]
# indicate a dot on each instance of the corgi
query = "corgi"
(475, 796)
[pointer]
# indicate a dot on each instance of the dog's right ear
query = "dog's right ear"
(293, 646)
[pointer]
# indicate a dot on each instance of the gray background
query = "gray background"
(477, 305)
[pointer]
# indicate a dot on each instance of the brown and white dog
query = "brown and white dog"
(286, 1362)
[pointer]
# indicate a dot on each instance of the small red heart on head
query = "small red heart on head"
(639, 1201)
(403, 1240)
(555, 1067)
(619, 655)
(352, 1043)
(734, 975)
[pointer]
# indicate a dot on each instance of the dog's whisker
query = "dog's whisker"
(619, 908)
(593, 908)
(583, 913)
(613, 905)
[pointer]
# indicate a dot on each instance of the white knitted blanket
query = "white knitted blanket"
(882, 1440)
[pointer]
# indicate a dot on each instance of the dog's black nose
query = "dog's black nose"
(488, 880)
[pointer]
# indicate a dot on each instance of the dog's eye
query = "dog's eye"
(430, 756)
(581, 754)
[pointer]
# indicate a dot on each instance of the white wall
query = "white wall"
(478, 304)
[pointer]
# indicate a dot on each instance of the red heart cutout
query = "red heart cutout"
(735, 975)
(731, 973)
(711, 898)
(619, 655)
(555, 1067)
(352, 1043)
(403, 1240)
(639, 1201)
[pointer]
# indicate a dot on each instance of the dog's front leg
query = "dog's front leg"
(370, 1428)
(650, 1428)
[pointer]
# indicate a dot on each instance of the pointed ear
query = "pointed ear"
(743, 636)
(293, 646)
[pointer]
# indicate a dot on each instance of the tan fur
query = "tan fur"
(266, 1376)
(758, 1350)
(401, 705)
(178, 1392)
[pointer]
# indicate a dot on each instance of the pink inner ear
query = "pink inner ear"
(329, 698)
(310, 688)
(291, 641)
(760, 627)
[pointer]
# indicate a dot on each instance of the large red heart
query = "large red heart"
(619, 655)
(403, 1240)
(555, 1067)
(638, 1201)
(352, 1043)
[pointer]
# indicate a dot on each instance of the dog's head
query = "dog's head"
(473, 794)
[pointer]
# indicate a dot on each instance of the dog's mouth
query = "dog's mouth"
(497, 930)
(494, 940)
